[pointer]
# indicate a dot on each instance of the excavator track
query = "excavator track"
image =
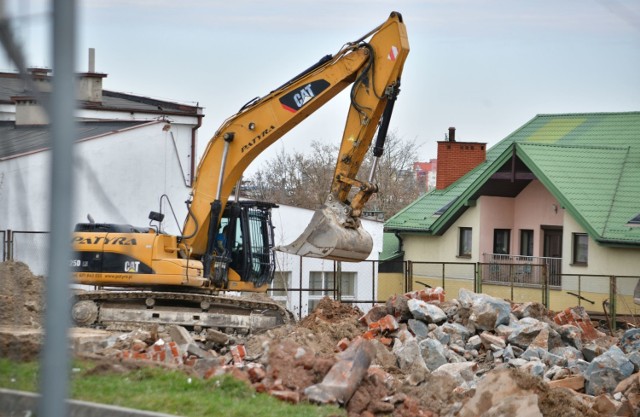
(130, 310)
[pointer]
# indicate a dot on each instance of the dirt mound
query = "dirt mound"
(329, 310)
(21, 295)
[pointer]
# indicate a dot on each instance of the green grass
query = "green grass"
(157, 389)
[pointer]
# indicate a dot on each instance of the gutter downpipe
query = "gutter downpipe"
(194, 145)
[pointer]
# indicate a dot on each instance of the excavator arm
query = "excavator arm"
(373, 69)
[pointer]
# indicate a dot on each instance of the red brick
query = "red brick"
(191, 360)
(343, 344)
(387, 341)
(238, 352)
(579, 318)
(369, 334)
(256, 374)
(388, 323)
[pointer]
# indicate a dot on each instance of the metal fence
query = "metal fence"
(609, 297)
(305, 281)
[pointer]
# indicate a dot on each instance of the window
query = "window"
(281, 282)
(526, 242)
(322, 284)
(464, 244)
(501, 241)
(580, 248)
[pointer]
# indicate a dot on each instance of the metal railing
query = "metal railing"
(521, 269)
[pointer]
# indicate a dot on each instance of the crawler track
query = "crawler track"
(128, 310)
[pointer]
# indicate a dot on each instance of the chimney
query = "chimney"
(455, 159)
(90, 83)
(28, 111)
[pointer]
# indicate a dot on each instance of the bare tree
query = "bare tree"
(303, 180)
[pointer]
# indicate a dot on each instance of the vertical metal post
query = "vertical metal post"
(55, 359)
(338, 280)
(511, 279)
(443, 275)
(613, 292)
(373, 283)
(579, 290)
(9, 252)
(300, 287)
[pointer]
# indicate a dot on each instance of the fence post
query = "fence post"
(612, 301)
(443, 274)
(511, 279)
(407, 276)
(478, 278)
(373, 282)
(9, 251)
(338, 280)
(300, 286)
(545, 283)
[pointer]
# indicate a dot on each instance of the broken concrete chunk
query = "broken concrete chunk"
(409, 354)
(630, 341)
(634, 357)
(397, 307)
(487, 312)
(473, 343)
(439, 335)
(426, 312)
(433, 353)
(535, 368)
(461, 372)
(489, 340)
(457, 331)
(524, 334)
(605, 372)
(419, 328)
(498, 394)
(530, 309)
(567, 352)
(217, 337)
(345, 375)
(180, 335)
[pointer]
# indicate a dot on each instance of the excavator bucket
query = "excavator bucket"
(332, 234)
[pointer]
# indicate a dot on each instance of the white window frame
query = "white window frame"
(326, 288)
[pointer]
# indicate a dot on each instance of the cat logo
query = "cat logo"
(295, 100)
(131, 266)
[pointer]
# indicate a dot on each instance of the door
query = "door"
(552, 252)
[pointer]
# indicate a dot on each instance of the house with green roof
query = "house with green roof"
(554, 205)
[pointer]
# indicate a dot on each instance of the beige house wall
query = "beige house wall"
(532, 209)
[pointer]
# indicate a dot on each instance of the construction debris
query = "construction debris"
(417, 355)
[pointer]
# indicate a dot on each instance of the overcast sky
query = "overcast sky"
(484, 66)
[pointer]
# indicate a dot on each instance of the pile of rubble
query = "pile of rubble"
(418, 355)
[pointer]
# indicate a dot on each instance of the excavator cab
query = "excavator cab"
(243, 249)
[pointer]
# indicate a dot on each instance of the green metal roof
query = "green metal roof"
(589, 162)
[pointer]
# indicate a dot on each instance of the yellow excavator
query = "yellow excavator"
(144, 276)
